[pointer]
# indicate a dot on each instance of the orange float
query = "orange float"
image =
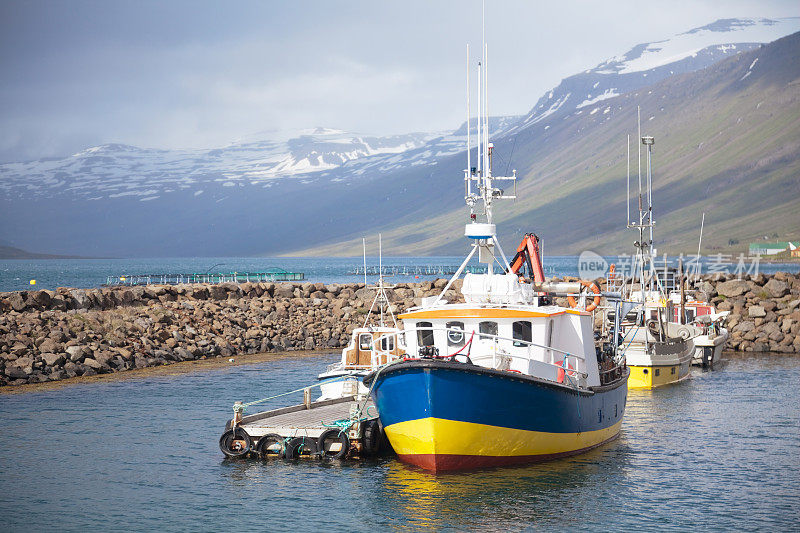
(592, 286)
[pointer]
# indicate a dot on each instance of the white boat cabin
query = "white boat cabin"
(501, 327)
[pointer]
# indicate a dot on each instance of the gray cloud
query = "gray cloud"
(193, 74)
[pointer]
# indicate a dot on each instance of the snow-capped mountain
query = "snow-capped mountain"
(649, 63)
(117, 170)
(267, 193)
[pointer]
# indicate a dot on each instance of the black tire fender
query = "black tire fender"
(235, 443)
(329, 439)
(270, 446)
(372, 437)
(298, 445)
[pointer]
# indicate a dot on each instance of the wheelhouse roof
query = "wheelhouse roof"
(477, 311)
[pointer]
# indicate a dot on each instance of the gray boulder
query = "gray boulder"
(732, 288)
(92, 363)
(75, 353)
(53, 359)
(50, 345)
(777, 288)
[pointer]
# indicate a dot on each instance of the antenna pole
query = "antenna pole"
(480, 129)
(380, 271)
(639, 126)
(364, 245)
(628, 195)
(469, 144)
(486, 161)
(650, 194)
(702, 223)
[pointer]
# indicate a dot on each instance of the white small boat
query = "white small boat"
(710, 343)
(370, 347)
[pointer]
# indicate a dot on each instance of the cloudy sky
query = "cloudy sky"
(195, 74)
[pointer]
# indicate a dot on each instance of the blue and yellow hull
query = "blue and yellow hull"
(450, 416)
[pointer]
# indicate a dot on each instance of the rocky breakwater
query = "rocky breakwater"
(765, 311)
(52, 335)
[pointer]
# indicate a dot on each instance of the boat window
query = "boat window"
(689, 315)
(365, 341)
(424, 334)
(522, 332)
(455, 338)
(487, 328)
(387, 343)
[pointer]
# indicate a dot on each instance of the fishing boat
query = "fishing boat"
(710, 340)
(658, 351)
(682, 306)
(371, 346)
(506, 377)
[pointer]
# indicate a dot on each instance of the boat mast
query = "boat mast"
(380, 272)
(483, 232)
(468, 172)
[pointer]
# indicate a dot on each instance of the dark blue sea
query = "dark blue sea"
(718, 452)
(16, 274)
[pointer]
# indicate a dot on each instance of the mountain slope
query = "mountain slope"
(727, 143)
(648, 63)
(318, 191)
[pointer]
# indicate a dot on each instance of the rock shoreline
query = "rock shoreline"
(52, 335)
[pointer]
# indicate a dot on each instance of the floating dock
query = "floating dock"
(340, 428)
(272, 275)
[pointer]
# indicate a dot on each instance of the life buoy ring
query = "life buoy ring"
(612, 271)
(561, 374)
(594, 288)
(334, 444)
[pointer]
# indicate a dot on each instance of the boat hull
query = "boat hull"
(708, 349)
(662, 365)
(452, 416)
(650, 377)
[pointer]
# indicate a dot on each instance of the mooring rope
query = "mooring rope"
(243, 406)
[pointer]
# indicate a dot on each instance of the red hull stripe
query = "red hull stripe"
(444, 462)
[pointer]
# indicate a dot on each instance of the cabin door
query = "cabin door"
(364, 349)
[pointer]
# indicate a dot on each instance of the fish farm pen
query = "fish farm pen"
(428, 270)
(231, 277)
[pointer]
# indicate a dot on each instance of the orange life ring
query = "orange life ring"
(561, 374)
(612, 271)
(595, 289)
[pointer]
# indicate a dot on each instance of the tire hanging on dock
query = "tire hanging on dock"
(372, 437)
(334, 444)
(300, 446)
(270, 446)
(235, 443)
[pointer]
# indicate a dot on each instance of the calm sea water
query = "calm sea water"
(720, 451)
(84, 273)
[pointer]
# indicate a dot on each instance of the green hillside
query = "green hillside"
(727, 144)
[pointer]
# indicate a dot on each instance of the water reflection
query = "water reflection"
(504, 498)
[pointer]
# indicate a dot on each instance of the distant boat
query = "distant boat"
(658, 351)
